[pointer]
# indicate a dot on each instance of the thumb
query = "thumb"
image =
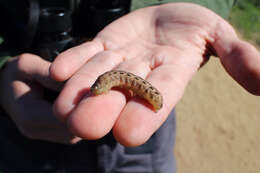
(240, 59)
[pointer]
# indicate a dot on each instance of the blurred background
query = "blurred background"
(218, 122)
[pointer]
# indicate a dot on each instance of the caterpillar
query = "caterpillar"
(129, 81)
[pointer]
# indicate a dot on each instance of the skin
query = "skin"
(22, 83)
(162, 44)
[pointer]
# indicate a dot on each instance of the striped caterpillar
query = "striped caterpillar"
(128, 81)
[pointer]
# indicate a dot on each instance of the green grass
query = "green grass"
(245, 16)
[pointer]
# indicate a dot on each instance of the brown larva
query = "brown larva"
(129, 81)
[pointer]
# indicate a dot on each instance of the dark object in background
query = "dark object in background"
(46, 28)
(19, 24)
(93, 15)
(54, 33)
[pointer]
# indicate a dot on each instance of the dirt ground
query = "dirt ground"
(218, 125)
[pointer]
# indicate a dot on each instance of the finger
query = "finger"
(80, 83)
(33, 116)
(137, 122)
(68, 62)
(34, 68)
(95, 116)
(240, 59)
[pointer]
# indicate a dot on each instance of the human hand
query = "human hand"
(22, 82)
(166, 45)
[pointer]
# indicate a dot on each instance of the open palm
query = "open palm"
(165, 45)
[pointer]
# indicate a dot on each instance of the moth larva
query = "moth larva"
(129, 81)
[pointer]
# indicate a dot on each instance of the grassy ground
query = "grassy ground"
(217, 120)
